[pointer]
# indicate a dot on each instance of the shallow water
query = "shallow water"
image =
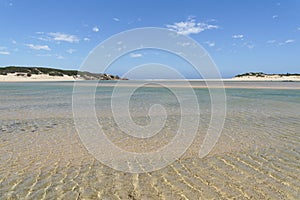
(256, 157)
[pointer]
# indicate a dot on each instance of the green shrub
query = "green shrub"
(55, 73)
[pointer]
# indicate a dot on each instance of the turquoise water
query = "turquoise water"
(257, 155)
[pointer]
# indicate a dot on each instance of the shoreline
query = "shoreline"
(270, 78)
(199, 84)
(19, 77)
(35, 78)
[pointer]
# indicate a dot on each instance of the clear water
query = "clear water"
(257, 155)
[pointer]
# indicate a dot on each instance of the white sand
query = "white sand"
(12, 77)
(267, 78)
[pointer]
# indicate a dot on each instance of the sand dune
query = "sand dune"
(19, 77)
(267, 78)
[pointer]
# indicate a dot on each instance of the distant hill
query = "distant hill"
(28, 71)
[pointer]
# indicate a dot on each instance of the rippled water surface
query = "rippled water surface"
(256, 157)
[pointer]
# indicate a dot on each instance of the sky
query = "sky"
(240, 36)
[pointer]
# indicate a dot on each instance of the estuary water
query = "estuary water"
(256, 157)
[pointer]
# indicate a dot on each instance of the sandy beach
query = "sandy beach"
(22, 77)
(267, 78)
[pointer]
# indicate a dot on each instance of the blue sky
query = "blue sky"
(240, 36)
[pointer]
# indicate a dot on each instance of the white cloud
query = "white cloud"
(4, 53)
(271, 41)
(44, 55)
(60, 57)
(250, 46)
(240, 36)
(190, 26)
(289, 41)
(45, 38)
(86, 39)
(96, 29)
(298, 29)
(275, 16)
(211, 44)
(64, 37)
(184, 44)
(70, 51)
(14, 41)
(135, 55)
(38, 47)
(116, 19)
(212, 20)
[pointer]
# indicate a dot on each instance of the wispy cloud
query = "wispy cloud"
(38, 47)
(298, 29)
(57, 36)
(4, 53)
(45, 38)
(184, 44)
(190, 26)
(135, 55)
(135, 21)
(86, 39)
(239, 36)
(57, 56)
(275, 16)
(44, 55)
(289, 41)
(70, 51)
(116, 19)
(211, 44)
(96, 29)
(271, 41)
(248, 44)
(60, 57)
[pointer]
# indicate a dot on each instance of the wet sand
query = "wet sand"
(256, 157)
